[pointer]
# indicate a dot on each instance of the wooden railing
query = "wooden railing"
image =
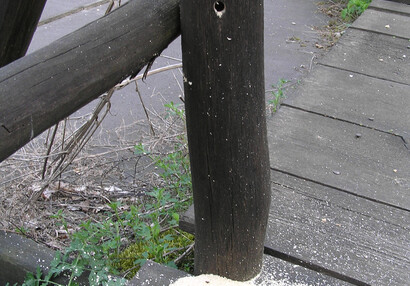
(222, 44)
(42, 88)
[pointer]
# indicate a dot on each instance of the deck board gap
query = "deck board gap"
(293, 189)
(341, 190)
(312, 266)
(390, 7)
(405, 140)
(389, 10)
(377, 32)
(364, 74)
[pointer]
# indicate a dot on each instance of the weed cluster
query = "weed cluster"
(354, 9)
(278, 95)
(130, 235)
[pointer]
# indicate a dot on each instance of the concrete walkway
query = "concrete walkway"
(340, 161)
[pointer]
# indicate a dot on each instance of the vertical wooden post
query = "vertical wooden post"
(222, 45)
(18, 21)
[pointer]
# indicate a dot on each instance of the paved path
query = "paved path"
(340, 160)
(285, 59)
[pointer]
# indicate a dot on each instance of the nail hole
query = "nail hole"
(219, 8)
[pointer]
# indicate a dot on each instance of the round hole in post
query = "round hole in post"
(219, 8)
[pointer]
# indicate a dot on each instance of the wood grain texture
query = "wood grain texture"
(223, 68)
(328, 231)
(354, 98)
(18, 21)
(375, 165)
(46, 86)
(394, 6)
(353, 237)
(275, 269)
(383, 58)
(384, 22)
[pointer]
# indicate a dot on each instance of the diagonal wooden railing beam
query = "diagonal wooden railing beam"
(42, 88)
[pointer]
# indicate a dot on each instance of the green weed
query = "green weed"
(278, 95)
(101, 249)
(354, 9)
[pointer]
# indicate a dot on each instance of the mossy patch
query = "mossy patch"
(169, 248)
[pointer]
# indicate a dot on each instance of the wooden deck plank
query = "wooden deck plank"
(355, 98)
(355, 237)
(329, 231)
(373, 54)
(375, 164)
(274, 269)
(390, 6)
(384, 22)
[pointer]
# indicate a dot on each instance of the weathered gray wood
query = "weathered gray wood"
(374, 165)
(46, 86)
(343, 233)
(226, 126)
(276, 270)
(386, 57)
(154, 274)
(187, 220)
(19, 255)
(18, 21)
(339, 234)
(384, 22)
(392, 6)
(340, 94)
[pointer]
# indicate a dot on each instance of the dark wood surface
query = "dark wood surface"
(340, 163)
(42, 88)
(20, 255)
(225, 111)
(18, 21)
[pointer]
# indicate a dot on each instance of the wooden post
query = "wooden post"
(18, 21)
(222, 45)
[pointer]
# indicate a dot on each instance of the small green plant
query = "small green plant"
(37, 279)
(354, 9)
(92, 249)
(100, 249)
(278, 95)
